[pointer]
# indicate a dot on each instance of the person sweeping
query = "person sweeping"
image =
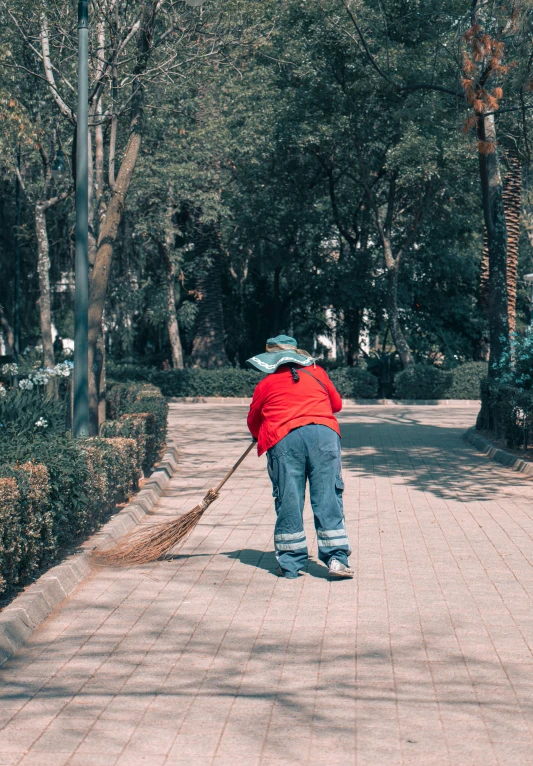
(292, 418)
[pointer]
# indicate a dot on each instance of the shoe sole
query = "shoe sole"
(301, 573)
(342, 575)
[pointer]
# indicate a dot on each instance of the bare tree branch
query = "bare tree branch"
(54, 200)
(65, 110)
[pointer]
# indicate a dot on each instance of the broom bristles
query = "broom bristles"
(154, 541)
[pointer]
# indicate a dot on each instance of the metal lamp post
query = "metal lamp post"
(16, 345)
(528, 279)
(81, 266)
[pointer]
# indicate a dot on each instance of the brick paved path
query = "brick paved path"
(425, 658)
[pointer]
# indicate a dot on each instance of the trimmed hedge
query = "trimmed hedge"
(54, 490)
(62, 492)
(26, 521)
(146, 404)
(419, 382)
(425, 382)
(422, 382)
(354, 383)
(142, 429)
(467, 380)
(195, 382)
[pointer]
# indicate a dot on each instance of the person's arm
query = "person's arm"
(334, 396)
(254, 415)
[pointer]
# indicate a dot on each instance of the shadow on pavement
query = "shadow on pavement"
(411, 450)
(267, 561)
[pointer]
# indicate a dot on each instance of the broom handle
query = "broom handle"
(237, 464)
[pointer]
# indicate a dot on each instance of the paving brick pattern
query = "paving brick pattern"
(425, 658)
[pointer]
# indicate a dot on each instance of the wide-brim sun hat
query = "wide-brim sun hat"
(280, 350)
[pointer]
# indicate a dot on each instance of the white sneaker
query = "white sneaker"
(337, 569)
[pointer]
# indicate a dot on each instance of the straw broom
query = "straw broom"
(156, 540)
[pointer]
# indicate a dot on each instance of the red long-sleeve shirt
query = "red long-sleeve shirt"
(279, 405)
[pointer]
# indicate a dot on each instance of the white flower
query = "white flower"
(41, 423)
(3, 392)
(40, 378)
(10, 369)
(25, 385)
(63, 369)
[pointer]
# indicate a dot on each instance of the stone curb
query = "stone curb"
(495, 453)
(357, 402)
(37, 602)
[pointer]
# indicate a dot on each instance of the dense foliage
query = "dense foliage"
(301, 168)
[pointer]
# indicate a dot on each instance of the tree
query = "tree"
(134, 44)
(36, 141)
(479, 36)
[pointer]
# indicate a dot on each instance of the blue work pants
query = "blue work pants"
(310, 452)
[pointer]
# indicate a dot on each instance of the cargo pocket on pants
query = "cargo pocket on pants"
(275, 495)
(339, 489)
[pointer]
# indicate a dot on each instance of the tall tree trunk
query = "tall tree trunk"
(512, 206)
(172, 319)
(494, 214)
(208, 348)
(102, 400)
(398, 337)
(170, 270)
(99, 275)
(43, 270)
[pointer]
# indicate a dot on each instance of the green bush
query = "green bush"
(354, 383)
(227, 381)
(141, 399)
(425, 382)
(193, 382)
(232, 382)
(124, 373)
(26, 522)
(419, 382)
(422, 382)
(68, 471)
(54, 492)
(142, 428)
(466, 380)
(115, 467)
